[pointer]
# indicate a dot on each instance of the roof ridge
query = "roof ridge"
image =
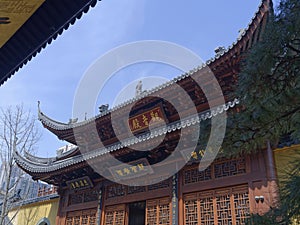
(176, 125)
(63, 126)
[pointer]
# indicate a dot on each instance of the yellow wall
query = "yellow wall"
(284, 158)
(32, 213)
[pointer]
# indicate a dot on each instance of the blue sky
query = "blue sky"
(53, 75)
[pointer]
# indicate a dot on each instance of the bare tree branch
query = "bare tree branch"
(18, 133)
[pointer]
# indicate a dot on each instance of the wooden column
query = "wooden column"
(61, 216)
(272, 177)
(99, 209)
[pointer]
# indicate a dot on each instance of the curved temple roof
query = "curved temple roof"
(34, 164)
(42, 160)
(240, 45)
(251, 34)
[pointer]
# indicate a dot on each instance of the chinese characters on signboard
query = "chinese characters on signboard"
(195, 155)
(131, 170)
(81, 183)
(142, 121)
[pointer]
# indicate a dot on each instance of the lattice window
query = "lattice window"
(158, 212)
(224, 213)
(163, 184)
(90, 215)
(92, 220)
(151, 213)
(77, 220)
(230, 168)
(222, 207)
(224, 168)
(119, 217)
(206, 208)
(90, 196)
(109, 217)
(75, 198)
(191, 210)
(85, 220)
(135, 189)
(69, 220)
(241, 205)
(115, 215)
(86, 217)
(115, 190)
(194, 175)
(119, 190)
(164, 212)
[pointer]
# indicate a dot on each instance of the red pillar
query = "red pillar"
(272, 177)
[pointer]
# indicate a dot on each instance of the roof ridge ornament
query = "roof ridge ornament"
(103, 108)
(139, 88)
(55, 165)
(241, 32)
(74, 120)
(220, 50)
(39, 109)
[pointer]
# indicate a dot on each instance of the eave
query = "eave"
(40, 169)
(229, 60)
(44, 25)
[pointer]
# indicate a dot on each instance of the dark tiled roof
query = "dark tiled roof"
(241, 42)
(48, 21)
(33, 165)
(34, 200)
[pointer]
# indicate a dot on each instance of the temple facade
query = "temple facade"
(94, 190)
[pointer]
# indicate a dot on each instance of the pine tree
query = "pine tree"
(269, 91)
(269, 86)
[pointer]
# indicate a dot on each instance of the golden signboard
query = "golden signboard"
(80, 183)
(131, 170)
(195, 155)
(13, 14)
(142, 121)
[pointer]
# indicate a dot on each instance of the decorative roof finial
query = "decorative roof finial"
(71, 121)
(39, 109)
(138, 88)
(220, 50)
(103, 108)
(241, 32)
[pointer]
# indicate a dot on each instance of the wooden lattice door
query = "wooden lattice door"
(158, 212)
(115, 215)
(82, 217)
(228, 206)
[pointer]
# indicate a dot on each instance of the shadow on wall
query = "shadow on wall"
(38, 213)
(30, 214)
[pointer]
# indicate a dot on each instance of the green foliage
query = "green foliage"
(271, 218)
(269, 85)
(290, 193)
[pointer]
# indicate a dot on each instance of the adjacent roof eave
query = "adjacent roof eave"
(45, 25)
(46, 160)
(52, 166)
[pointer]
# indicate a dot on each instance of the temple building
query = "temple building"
(93, 189)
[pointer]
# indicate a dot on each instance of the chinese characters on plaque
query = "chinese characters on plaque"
(80, 183)
(195, 155)
(133, 169)
(143, 120)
